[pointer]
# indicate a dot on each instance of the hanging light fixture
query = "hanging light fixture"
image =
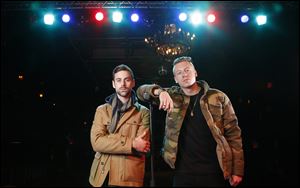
(171, 42)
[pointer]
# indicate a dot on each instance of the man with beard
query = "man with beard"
(120, 135)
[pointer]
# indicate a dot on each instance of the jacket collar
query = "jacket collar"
(109, 99)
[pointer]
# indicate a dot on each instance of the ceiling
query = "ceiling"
(99, 48)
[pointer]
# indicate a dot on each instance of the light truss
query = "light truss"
(63, 5)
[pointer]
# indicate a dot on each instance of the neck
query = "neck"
(123, 99)
(193, 90)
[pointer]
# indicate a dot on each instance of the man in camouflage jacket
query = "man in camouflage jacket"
(217, 111)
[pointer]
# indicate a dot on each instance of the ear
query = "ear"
(196, 74)
(113, 84)
(133, 83)
(175, 80)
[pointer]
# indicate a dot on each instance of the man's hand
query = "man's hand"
(140, 144)
(165, 101)
(235, 180)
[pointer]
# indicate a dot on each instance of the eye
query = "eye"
(179, 73)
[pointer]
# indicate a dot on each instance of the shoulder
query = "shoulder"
(216, 94)
(143, 112)
(103, 107)
(213, 91)
(142, 108)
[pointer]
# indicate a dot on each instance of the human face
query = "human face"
(185, 74)
(123, 83)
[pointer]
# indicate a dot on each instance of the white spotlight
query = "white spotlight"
(182, 16)
(134, 17)
(261, 20)
(117, 17)
(49, 19)
(196, 18)
(244, 19)
(65, 18)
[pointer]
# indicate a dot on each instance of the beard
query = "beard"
(125, 92)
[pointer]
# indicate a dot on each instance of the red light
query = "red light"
(99, 16)
(211, 18)
(269, 85)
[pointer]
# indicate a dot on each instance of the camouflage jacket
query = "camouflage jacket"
(220, 117)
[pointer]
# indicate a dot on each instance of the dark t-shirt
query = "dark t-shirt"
(196, 147)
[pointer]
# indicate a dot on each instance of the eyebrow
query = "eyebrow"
(183, 68)
(129, 77)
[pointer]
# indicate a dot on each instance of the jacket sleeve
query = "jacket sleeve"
(104, 142)
(145, 124)
(148, 90)
(232, 133)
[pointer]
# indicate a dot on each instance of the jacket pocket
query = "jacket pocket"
(130, 129)
(134, 168)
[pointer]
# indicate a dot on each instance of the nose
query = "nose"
(184, 73)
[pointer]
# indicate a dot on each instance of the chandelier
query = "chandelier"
(171, 42)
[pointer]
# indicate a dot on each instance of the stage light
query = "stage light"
(269, 85)
(21, 77)
(65, 18)
(134, 17)
(117, 16)
(49, 19)
(182, 16)
(211, 18)
(261, 19)
(99, 16)
(196, 18)
(244, 19)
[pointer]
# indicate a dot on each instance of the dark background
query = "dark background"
(45, 141)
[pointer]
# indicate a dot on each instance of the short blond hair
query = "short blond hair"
(181, 59)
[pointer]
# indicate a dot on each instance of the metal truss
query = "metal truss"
(63, 5)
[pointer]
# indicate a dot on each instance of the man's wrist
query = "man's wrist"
(159, 91)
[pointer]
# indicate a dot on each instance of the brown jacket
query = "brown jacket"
(114, 152)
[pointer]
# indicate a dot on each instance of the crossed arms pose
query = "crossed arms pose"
(120, 135)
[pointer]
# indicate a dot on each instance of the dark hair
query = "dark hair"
(122, 67)
(183, 58)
